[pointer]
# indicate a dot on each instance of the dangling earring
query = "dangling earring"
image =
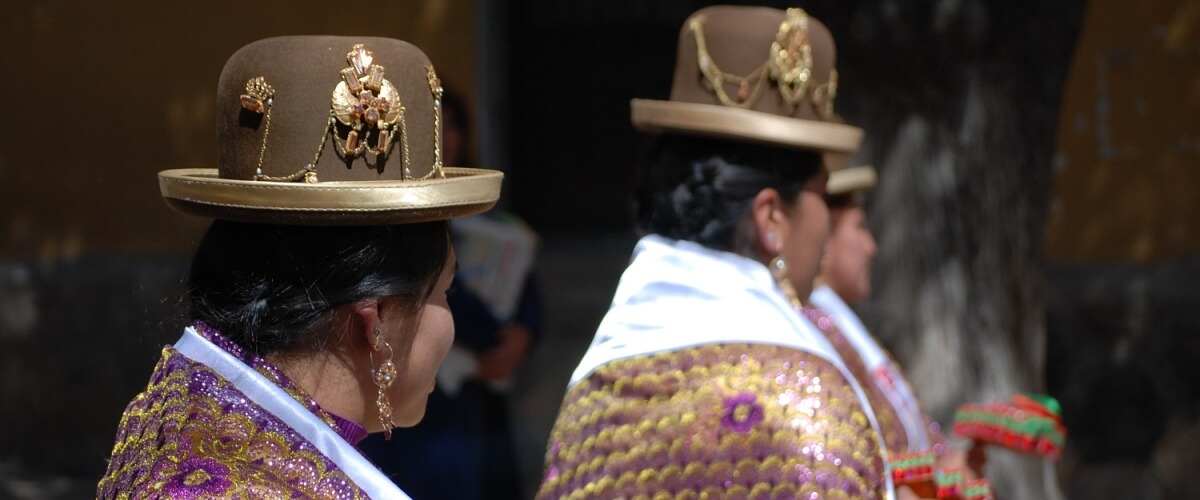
(384, 376)
(779, 270)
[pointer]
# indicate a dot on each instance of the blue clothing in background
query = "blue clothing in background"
(463, 448)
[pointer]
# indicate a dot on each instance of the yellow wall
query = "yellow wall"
(1129, 137)
(99, 96)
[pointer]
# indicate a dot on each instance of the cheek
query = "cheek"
(437, 333)
(846, 250)
(814, 217)
(810, 232)
(836, 245)
(430, 345)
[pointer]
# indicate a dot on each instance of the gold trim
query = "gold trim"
(724, 121)
(461, 187)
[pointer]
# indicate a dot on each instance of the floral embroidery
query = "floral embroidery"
(716, 421)
(742, 412)
(198, 477)
(192, 434)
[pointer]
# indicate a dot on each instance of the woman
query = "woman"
(704, 378)
(845, 280)
(319, 307)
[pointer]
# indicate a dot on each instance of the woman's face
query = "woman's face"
(808, 229)
(848, 255)
(432, 340)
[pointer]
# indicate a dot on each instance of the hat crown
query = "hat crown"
(757, 58)
(328, 108)
(327, 130)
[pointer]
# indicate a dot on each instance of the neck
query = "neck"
(331, 379)
(822, 280)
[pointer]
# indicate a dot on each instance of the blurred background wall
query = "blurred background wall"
(1123, 253)
(91, 260)
(1037, 212)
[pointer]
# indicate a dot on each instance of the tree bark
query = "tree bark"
(959, 100)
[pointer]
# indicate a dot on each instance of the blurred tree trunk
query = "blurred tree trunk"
(960, 102)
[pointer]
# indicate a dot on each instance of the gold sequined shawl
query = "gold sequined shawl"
(217, 422)
(726, 421)
(702, 380)
(882, 376)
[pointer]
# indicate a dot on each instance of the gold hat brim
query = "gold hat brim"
(649, 115)
(201, 192)
(849, 180)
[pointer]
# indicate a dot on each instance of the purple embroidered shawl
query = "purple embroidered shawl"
(192, 434)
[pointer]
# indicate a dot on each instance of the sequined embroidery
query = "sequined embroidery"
(894, 436)
(268, 370)
(714, 421)
(191, 434)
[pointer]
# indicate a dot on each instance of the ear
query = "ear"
(365, 319)
(770, 222)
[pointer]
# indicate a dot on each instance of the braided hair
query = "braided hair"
(701, 189)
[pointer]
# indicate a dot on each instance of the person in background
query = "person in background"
(845, 280)
(464, 449)
(704, 380)
(319, 309)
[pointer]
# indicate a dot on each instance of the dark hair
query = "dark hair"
(701, 189)
(273, 288)
(844, 200)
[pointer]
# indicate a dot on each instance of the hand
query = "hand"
(503, 360)
(906, 493)
(969, 461)
(458, 367)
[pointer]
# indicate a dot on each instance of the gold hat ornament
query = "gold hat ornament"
(753, 74)
(326, 130)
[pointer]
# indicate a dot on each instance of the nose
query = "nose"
(872, 247)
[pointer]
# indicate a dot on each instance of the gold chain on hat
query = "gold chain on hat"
(717, 78)
(789, 66)
(435, 88)
(260, 98)
(824, 94)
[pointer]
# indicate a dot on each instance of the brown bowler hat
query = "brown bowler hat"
(327, 130)
(756, 74)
